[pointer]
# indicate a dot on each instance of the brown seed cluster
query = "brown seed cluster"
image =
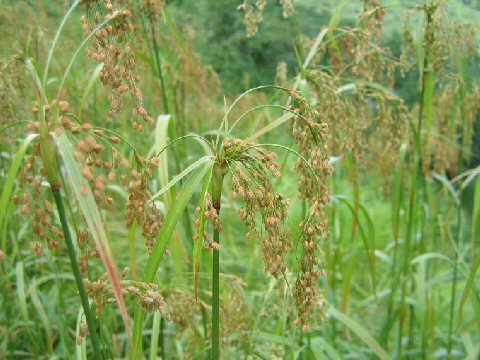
(281, 75)
(253, 15)
(447, 133)
(369, 126)
(390, 119)
(372, 17)
(452, 128)
(82, 333)
(36, 207)
(306, 294)
(110, 45)
(185, 309)
(147, 295)
(288, 8)
(442, 37)
(87, 252)
(311, 139)
(253, 169)
(153, 9)
(99, 165)
(207, 212)
(99, 292)
(139, 208)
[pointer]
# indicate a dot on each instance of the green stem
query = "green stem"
(417, 181)
(216, 300)
(159, 66)
(217, 181)
(78, 276)
(454, 283)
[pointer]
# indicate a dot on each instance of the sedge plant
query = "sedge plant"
(251, 169)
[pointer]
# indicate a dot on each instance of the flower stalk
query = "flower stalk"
(217, 180)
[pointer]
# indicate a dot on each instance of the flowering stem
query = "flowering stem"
(78, 276)
(216, 300)
(217, 180)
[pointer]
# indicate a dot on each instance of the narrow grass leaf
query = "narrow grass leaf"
(55, 40)
(321, 348)
(316, 45)
(361, 332)
(273, 125)
(161, 141)
(198, 243)
(80, 349)
(89, 87)
(45, 320)
(180, 176)
(171, 219)
(368, 240)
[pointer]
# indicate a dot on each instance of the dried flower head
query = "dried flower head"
(253, 169)
(139, 207)
(110, 45)
(147, 295)
(253, 15)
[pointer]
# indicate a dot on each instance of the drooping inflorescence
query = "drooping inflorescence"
(264, 210)
(254, 13)
(310, 136)
(139, 207)
(112, 26)
(35, 205)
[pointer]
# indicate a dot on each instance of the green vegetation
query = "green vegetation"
(340, 140)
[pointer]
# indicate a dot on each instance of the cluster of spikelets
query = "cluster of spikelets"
(369, 61)
(153, 9)
(264, 210)
(110, 45)
(207, 212)
(442, 37)
(447, 135)
(365, 123)
(254, 13)
(147, 294)
(253, 169)
(184, 310)
(140, 208)
(310, 136)
(35, 206)
(357, 52)
(453, 124)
